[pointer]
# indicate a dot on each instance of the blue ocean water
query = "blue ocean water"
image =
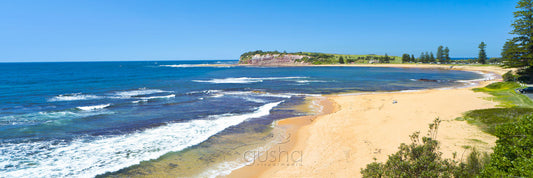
(89, 118)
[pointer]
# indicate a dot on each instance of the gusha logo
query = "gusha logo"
(274, 156)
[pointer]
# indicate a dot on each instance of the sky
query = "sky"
(125, 30)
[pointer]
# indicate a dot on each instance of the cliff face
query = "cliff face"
(273, 59)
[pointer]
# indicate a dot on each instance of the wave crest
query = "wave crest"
(87, 158)
(95, 107)
(242, 80)
(74, 97)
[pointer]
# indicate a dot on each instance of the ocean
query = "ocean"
(177, 118)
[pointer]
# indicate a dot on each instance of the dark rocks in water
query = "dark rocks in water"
(427, 80)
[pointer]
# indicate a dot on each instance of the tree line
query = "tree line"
(442, 57)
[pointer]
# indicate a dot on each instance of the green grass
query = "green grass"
(488, 119)
(513, 106)
(504, 92)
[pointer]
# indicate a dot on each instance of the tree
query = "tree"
(341, 60)
(422, 57)
(386, 58)
(431, 57)
(405, 58)
(519, 50)
(510, 51)
(446, 55)
(439, 54)
(426, 57)
(482, 55)
(413, 58)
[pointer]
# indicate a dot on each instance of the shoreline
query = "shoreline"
(311, 137)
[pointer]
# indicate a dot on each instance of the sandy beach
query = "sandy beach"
(356, 129)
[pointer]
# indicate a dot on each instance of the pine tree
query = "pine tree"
(426, 57)
(446, 55)
(422, 57)
(431, 57)
(509, 51)
(405, 58)
(341, 60)
(482, 55)
(413, 58)
(519, 50)
(439, 54)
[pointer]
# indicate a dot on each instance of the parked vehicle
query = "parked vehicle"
(526, 90)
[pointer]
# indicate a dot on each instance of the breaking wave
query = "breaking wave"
(87, 158)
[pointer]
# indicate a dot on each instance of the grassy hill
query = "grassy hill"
(325, 58)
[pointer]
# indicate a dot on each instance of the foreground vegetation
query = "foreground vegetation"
(512, 156)
(421, 158)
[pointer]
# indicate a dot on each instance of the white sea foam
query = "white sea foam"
(486, 77)
(157, 97)
(74, 97)
(255, 100)
(87, 158)
(242, 80)
(50, 116)
(180, 65)
(140, 91)
(308, 81)
(139, 101)
(253, 96)
(95, 107)
(117, 95)
(196, 65)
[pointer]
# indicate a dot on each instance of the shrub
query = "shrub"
(513, 154)
(421, 158)
(508, 77)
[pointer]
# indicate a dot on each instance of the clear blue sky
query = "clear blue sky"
(96, 30)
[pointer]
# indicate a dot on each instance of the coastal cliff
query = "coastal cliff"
(276, 58)
(273, 59)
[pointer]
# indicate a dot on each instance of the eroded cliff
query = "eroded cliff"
(273, 59)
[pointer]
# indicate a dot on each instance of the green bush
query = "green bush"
(421, 158)
(513, 154)
(508, 77)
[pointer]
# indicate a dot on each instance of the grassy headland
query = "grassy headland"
(324, 58)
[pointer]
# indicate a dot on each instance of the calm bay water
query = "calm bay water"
(89, 118)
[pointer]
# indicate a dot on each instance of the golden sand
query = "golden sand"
(356, 129)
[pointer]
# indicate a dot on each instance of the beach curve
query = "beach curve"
(359, 129)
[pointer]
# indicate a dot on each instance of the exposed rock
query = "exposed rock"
(273, 59)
